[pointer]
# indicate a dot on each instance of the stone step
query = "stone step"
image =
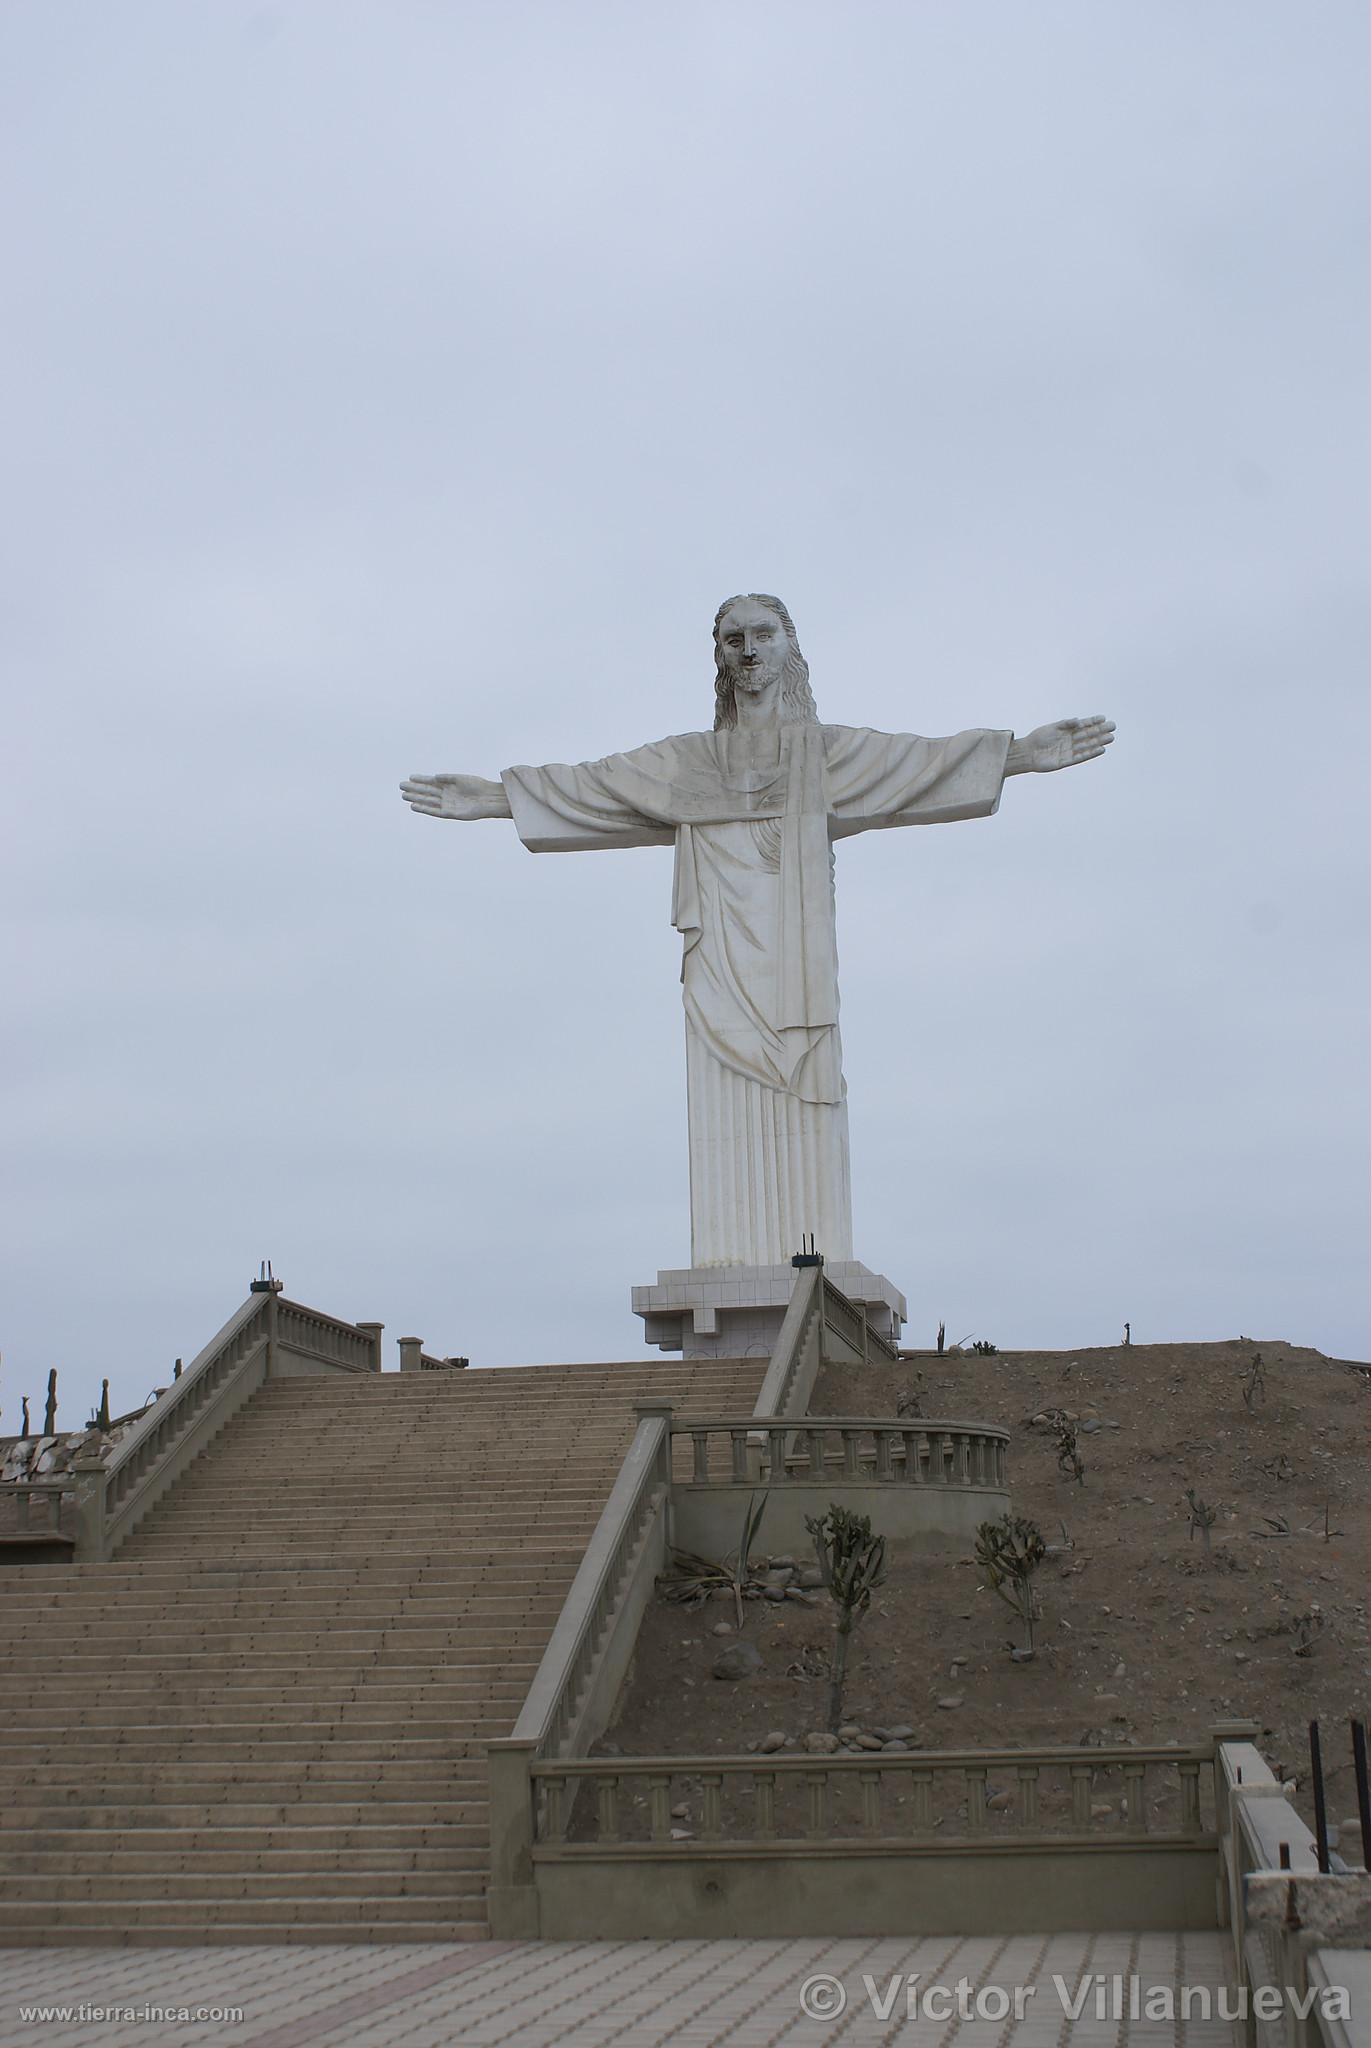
(169, 1707)
(181, 1597)
(486, 1515)
(342, 1563)
(472, 1489)
(271, 1539)
(97, 1848)
(537, 1582)
(323, 1877)
(267, 1774)
(53, 1585)
(263, 1656)
(128, 1911)
(319, 1744)
(423, 1715)
(263, 1661)
(422, 1525)
(77, 1807)
(415, 1635)
(113, 1932)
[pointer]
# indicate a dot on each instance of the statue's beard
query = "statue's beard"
(796, 701)
(752, 680)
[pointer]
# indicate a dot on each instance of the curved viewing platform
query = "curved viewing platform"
(932, 1480)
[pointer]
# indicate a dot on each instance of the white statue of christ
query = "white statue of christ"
(752, 809)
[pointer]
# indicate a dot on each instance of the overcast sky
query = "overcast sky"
(399, 387)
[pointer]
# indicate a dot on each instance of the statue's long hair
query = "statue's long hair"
(797, 699)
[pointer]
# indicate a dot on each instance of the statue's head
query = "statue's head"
(754, 641)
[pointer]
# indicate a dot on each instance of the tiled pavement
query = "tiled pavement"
(577, 1994)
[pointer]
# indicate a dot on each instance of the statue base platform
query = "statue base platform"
(737, 1311)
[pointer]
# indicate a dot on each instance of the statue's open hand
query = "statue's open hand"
(455, 796)
(1063, 745)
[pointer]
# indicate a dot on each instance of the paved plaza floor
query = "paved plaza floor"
(1022, 1991)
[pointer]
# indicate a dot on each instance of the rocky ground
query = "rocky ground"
(1145, 1634)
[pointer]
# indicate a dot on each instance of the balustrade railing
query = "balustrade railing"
(848, 1320)
(1154, 1795)
(312, 1335)
(795, 1362)
(574, 1688)
(36, 1507)
(266, 1335)
(137, 1455)
(911, 1451)
(548, 1720)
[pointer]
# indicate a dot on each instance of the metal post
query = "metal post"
(1363, 1801)
(1320, 1813)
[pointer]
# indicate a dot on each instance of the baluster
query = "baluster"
(937, 1468)
(871, 1798)
(554, 1809)
(978, 1461)
(964, 1458)
(607, 1791)
(737, 1439)
(659, 1807)
(776, 1454)
(711, 1805)
(817, 1782)
(1137, 1802)
(1080, 1795)
(975, 1799)
(764, 1796)
(921, 1799)
(850, 1454)
(910, 1439)
(1190, 1797)
(1028, 1795)
(883, 1454)
(700, 1439)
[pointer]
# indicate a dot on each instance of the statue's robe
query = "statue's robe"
(753, 816)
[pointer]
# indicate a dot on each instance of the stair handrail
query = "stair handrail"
(849, 1320)
(114, 1492)
(586, 1658)
(184, 1394)
(553, 1712)
(790, 1376)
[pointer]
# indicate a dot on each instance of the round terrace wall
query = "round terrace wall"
(931, 1483)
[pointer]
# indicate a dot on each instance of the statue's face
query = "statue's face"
(753, 645)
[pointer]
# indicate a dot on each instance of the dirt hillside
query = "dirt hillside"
(1144, 1634)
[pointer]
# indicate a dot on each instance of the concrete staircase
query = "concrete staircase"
(266, 1719)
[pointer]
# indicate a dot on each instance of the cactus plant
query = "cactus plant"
(1009, 1552)
(852, 1562)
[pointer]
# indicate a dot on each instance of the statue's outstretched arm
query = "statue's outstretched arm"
(456, 796)
(1063, 745)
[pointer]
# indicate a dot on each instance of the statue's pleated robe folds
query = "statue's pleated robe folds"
(753, 816)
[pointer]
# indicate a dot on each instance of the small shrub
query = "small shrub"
(1254, 1383)
(694, 1578)
(1202, 1516)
